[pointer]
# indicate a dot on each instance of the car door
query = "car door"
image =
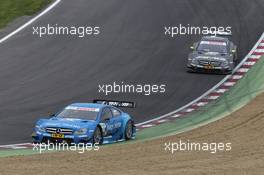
(107, 121)
(117, 120)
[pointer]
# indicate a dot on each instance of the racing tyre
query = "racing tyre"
(189, 70)
(98, 137)
(129, 130)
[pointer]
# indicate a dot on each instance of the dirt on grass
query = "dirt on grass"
(244, 129)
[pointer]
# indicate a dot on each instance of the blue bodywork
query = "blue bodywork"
(78, 130)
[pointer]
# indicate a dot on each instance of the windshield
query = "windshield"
(84, 113)
(212, 46)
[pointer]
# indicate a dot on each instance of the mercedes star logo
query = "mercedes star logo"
(58, 131)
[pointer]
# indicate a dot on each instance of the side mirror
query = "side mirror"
(51, 114)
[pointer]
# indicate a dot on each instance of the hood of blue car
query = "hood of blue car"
(74, 124)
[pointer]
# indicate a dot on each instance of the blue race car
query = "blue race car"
(99, 122)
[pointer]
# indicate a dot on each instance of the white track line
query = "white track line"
(176, 116)
(260, 50)
(147, 126)
(249, 63)
(237, 77)
(189, 110)
(30, 21)
(213, 97)
(229, 84)
(200, 104)
(162, 121)
(243, 70)
(255, 56)
(221, 91)
(11, 145)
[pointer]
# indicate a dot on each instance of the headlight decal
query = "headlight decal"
(81, 131)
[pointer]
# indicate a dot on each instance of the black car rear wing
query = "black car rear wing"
(123, 104)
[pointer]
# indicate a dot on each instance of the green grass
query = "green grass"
(11, 9)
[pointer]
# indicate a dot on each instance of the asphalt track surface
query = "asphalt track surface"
(42, 75)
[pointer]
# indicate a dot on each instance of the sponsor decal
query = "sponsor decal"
(83, 108)
(217, 43)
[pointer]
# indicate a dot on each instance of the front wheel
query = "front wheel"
(129, 130)
(97, 136)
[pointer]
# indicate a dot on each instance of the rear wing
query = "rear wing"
(123, 104)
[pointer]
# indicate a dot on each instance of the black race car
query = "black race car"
(212, 54)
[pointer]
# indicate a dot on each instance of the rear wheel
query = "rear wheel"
(98, 137)
(129, 130)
